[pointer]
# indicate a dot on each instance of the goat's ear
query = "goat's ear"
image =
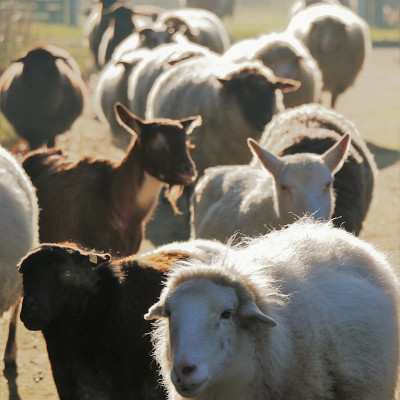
(250, 311)
(156, 311)
(286, 85)
(270, 162)
(128, 120)
(335, 157)
(162, 261)
(190, 123)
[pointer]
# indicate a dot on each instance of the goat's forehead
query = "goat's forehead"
(203, 292)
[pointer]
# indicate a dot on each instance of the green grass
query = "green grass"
(385, 35)
(7, 135)
(274, 17)
(255, 20)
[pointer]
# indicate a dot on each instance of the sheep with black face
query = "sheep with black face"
(42, 94)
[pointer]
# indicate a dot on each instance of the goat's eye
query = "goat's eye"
(227, 314)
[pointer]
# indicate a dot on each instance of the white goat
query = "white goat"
(19, 226)
(249, 200)
(306, 313)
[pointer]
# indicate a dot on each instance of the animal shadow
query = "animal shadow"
(384, 157)
(10, 373)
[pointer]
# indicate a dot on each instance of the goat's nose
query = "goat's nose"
(188, 369)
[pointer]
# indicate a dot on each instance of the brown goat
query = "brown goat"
(42, 94)
(104, 205)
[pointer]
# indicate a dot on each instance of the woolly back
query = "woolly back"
(313, 129)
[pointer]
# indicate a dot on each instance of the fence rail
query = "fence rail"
(15, 26)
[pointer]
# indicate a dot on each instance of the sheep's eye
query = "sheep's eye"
(167, 313)
(328, 185)
(227, 314)
(284, 188)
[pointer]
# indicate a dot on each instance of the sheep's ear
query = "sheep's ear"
(270, 162)
(190, 123)
(335, 157)
(19, 60)
(286, 85)
(156, 311)
(250, 310)
(145, 33)
(125, 64)
(128, 120)
(52, 250)
(176, 24)
(181, 58)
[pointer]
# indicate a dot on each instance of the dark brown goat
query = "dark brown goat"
(105, 205)
(90, 310)
(42, 94)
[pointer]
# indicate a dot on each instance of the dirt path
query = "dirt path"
(373, 104)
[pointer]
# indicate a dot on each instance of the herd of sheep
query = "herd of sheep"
(252, 192)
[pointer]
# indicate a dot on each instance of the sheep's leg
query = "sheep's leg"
(334, 97)
(51, 142)
(10, 354)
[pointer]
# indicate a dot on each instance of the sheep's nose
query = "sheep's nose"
(187, 370)
(184, 372)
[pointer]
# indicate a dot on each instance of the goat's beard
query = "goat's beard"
(173, 193)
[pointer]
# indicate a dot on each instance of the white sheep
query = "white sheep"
(339, 41)
(157, 62)
(19, 226)
(199, 26)
(288, 58)
(250, 199)
(149, 38)
(306, 313)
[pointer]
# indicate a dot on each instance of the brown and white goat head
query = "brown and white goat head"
(164, 145)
